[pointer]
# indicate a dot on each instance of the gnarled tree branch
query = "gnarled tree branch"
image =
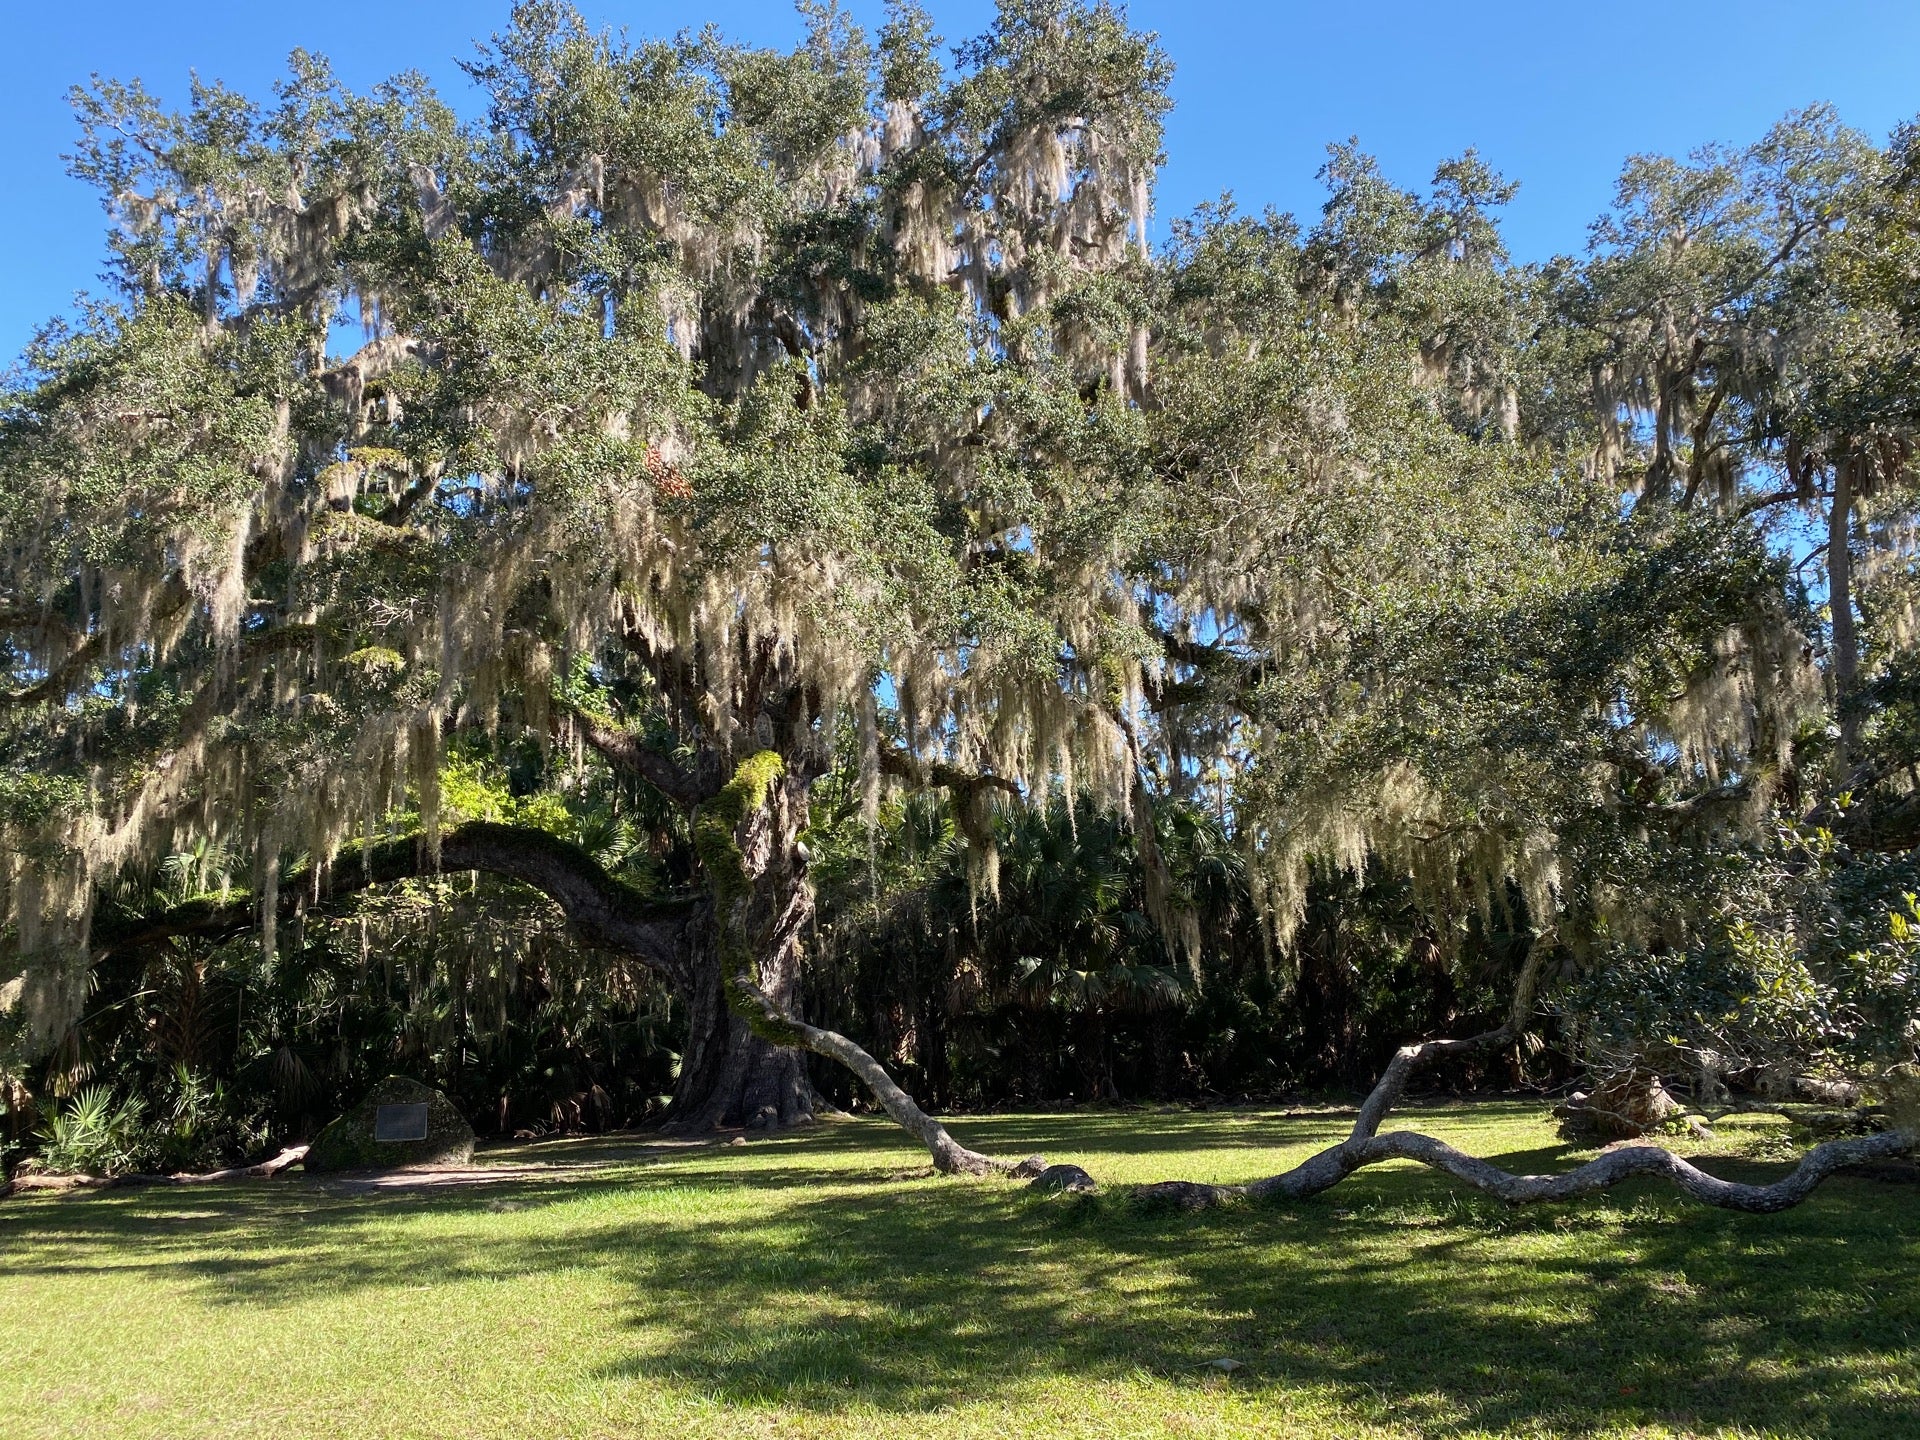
(1219, 675)
(626, 751)
(911, 768)
(1365, 1146)
(950, 1157)
(63, 677)
(57, 684)
(602, 910)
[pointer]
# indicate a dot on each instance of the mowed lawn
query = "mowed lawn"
(821, 1284)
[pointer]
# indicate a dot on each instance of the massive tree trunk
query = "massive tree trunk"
(748, 836)
(730, 1076)
(730, 1073)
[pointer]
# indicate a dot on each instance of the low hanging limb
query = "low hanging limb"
(1366, 1146)
(601, 909)
(950, 1157)
(741, 806)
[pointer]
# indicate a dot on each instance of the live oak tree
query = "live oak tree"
(1410, 622)
(719, 407)
(764, 384)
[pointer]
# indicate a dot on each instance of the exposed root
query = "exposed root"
(1068, 1179)
(266, 1169)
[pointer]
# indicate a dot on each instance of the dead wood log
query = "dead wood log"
(265, 1169)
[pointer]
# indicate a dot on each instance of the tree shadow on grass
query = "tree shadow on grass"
(1403, 1298)
(1151, 1132)
(1405, 1309)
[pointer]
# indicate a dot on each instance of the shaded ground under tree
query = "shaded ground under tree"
(786, 1282)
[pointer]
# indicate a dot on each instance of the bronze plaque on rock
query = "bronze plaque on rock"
(400, 1122)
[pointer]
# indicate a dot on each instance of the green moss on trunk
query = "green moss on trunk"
(716, 836)
(716, 828)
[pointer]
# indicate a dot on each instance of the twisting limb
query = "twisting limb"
(733, 824)
(903, 766)
(1364, 1145)
(264, 1170)
(731, 833)
(68, 674)
(950, 1157)
(1386, 1094)
(626, 751)
(1617, 1165)
(57, 684)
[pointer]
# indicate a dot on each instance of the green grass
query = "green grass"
(813, 1285)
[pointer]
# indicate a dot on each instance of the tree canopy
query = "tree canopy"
(732, 434)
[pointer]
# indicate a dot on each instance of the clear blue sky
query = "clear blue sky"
(1554, 94)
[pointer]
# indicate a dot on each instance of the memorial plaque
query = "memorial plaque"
(395, 1123)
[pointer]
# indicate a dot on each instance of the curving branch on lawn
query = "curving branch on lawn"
(263, 1170)
(1616, 1165)
(602, 910)
(950, 1157)
(1366, 1146)
(731, 834)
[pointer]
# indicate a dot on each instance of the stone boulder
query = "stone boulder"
(400, 1122)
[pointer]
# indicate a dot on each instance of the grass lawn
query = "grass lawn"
(820, 1285)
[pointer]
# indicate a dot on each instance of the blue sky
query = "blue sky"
(1554, 95)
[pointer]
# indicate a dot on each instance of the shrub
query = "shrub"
(94, 1136)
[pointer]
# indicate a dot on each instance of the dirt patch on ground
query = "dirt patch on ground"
(540, 1162)
(576, 1162)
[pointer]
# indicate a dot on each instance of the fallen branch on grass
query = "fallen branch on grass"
(266, 1169)
(1365, 1146)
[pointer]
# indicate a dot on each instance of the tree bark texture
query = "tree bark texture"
(729, 1075)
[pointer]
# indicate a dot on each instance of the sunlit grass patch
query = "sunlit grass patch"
(791, 1287)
